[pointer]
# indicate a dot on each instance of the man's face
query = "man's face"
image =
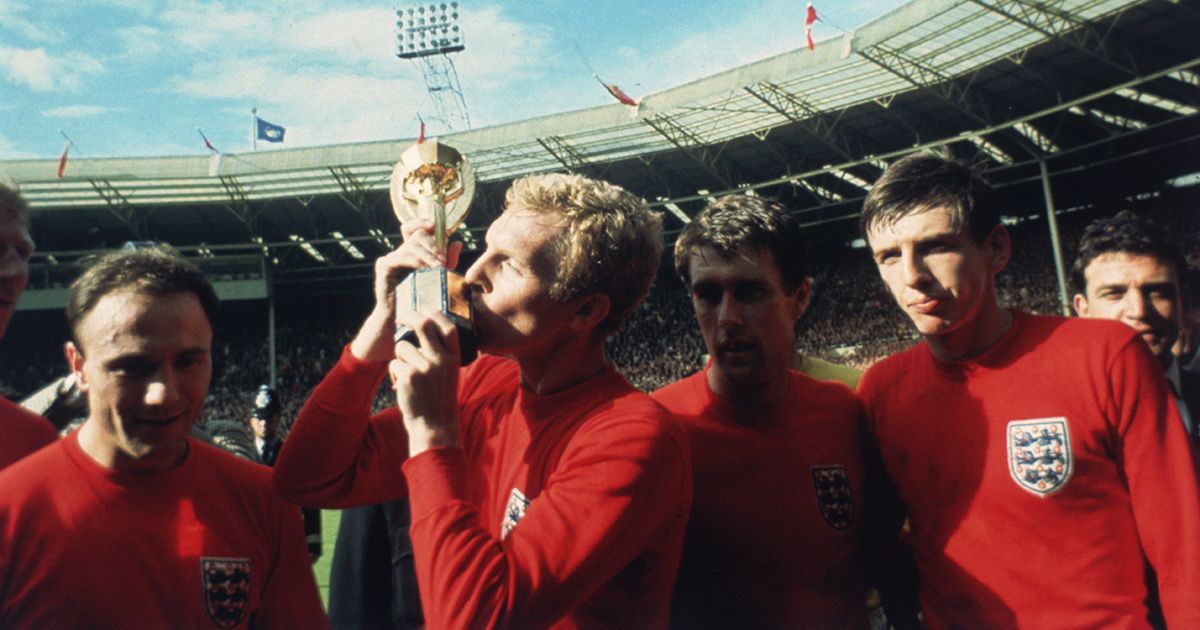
(145, 366)
(1138, 289)
(940, 277)
(746, 317)
(16, 247)
(514, 314)
(264, 428)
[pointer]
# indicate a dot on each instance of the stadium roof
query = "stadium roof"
(1094, 90)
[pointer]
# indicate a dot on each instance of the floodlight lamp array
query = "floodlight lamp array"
(428, 29)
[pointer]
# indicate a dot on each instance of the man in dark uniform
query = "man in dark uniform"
(265, 416)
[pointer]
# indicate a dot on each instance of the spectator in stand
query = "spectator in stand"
(264, 424)
(128, 521)
(776, 529)
(544, 489)
(21, 432)
(1128, 270)
(1034, 454)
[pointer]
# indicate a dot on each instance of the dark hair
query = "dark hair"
(12, 205)
(1126, 233)
(922, 181)
(741, 224)
(157, 271)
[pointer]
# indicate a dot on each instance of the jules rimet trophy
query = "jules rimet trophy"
(434, 182)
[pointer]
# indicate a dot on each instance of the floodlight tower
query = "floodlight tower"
(428, 34)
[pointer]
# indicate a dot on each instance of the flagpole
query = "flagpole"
(254, 129)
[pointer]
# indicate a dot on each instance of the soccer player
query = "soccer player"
(1128, 269)
(774, 538)
(544, 489)
(128, 521)
(1040, 459)
(21, 432)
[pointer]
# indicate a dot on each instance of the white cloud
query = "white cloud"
(10, 151)
(11, 19)
(43, 72)
(140, 42)
(78, 111)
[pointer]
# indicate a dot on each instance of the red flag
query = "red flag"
(616, 92)
(421, 134)
(208, 145)
(619, 95)
(62, 160)
(809, 18)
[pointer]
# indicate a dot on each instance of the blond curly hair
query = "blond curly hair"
(610, 244)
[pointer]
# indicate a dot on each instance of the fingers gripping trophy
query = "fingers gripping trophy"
(434, 182)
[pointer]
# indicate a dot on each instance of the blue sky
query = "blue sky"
(136, 77)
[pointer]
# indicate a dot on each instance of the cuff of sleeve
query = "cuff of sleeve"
(436, 478)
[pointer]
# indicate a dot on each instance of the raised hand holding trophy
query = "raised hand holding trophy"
(434, 182)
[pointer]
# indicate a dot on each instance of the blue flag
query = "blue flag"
(269, 132)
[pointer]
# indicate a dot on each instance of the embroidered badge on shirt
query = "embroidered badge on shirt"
(517, 503)
(1039, 454)
(226, 589)
(833, 495)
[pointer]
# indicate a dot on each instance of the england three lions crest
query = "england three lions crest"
(1039, 454)
(226, 589)
(833, 495)
(517, 504)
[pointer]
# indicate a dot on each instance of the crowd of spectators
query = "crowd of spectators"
(851, 320)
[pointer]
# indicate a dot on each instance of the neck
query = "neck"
(972, 338)
(563, 366)
(761, 393)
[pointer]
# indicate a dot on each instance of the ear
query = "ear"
(801, 298)
(1081, 305)
(75, 363)
(999, 248)
(590, 311)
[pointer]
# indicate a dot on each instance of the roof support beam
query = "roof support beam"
(239, 204)
(358, 196)
(1061, 25)
(692, 145)
(923, 75)
(566, 154)
(796, 109)
(120, 207)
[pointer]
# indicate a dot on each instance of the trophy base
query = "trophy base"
(441, 289)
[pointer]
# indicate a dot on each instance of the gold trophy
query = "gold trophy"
(434, 182)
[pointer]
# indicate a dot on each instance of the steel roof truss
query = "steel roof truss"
(690, 144)
(1068, 28)
(119, 206)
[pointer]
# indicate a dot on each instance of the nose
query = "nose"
(12, 264)
(729, 311)
(915, 272)
(1134, 305)
(476, 276)
(162, 390)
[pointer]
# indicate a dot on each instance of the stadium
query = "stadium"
(1075, 109)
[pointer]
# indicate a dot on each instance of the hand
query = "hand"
(374, 339)
(426, 381)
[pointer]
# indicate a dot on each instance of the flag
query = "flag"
(809, 18)
(421, 133)
(208, 145)
(62, 160)
(267, 131)
(616, 92)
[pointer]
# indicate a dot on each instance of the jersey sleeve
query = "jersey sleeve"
(337, 454)
(1159, 463)
(290, 600)
(619, 488)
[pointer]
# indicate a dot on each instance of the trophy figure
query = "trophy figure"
(434, 182)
